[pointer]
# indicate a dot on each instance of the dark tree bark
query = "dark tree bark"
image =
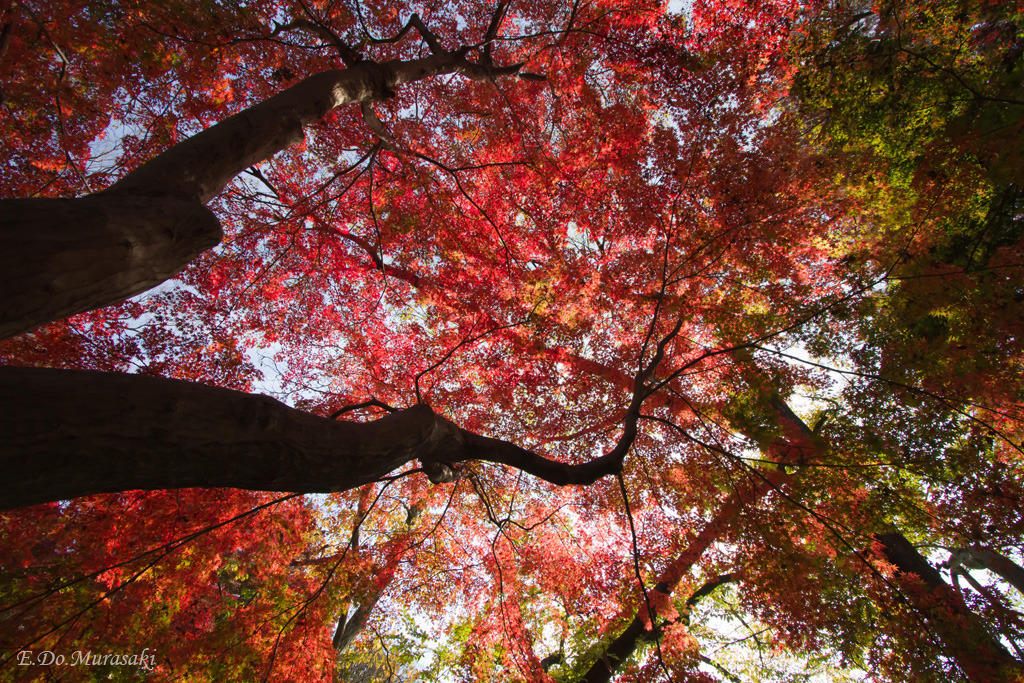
(349, 627)
(981, 656)
(617, 652)
(71, 433)
(66, 256)
(796, 445)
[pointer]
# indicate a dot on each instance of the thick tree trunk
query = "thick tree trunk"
(70, 433)
(65, 256)
(202, 165)
(981, 657)
(74, 433)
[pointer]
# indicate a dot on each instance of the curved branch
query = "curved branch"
(372, 403)
(349, 56)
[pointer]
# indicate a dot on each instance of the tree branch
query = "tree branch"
(492, 31)
(982, 657)
(348, 56)
(365, 404)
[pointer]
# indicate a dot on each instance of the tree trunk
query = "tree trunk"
(625, 643)
(981, 657)
(66, 256)
(349, 627)
(617, 652)
(69, 433)
(980, 557)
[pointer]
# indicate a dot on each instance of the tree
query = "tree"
(76, 255)
(979, 656)
(574, 281)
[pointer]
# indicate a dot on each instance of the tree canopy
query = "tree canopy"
(571, 342)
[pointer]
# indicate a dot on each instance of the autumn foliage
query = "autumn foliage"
(718, 310)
